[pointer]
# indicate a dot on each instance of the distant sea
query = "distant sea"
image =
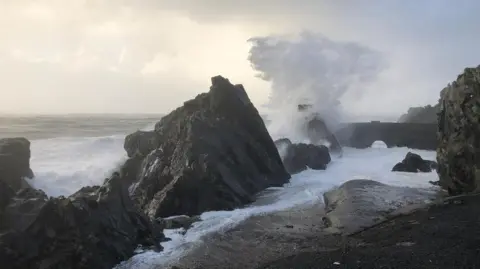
(52, 126)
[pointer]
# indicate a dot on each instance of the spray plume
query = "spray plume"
(309, 68)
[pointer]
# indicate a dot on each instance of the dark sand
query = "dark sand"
(445, 235)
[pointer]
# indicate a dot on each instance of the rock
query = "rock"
(301, 156)
(459, 134)
(213, 153)
(317, 131)
(358, 204)
(414, 163)
(177, 222)
(282, 146)
(15, 162)
(141, 143)
(6, 193)
(97, 227)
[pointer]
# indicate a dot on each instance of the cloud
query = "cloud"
(155, 48)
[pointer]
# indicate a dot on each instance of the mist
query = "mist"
(310, 68)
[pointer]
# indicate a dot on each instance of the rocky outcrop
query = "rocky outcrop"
(299, 157)
(360, 203)
(426, 114)
(97, 227)
(15, 162)
(458, 151)
(317, 131)
(414, 163)
(213, 153)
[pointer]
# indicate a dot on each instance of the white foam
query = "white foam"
(305, 188)
(63, 165)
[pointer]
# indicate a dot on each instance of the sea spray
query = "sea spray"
(310, 68)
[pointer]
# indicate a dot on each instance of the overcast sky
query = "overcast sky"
(148, 56)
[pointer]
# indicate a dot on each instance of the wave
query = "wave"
(64, 165)
(304, 189)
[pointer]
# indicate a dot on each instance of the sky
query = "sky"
(149, 56)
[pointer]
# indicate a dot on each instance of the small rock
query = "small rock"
(414, 163)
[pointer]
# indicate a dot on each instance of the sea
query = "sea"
(72, 151)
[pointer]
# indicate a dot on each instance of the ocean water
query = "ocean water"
(69, 152)
(72, 151)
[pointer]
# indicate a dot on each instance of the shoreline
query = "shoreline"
(269, 237)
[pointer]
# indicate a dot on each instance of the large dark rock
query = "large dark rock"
(414, 163)
(97, 227)
(299, 157)
(317, 131)
(15, 162)
(458, 152)
(213, 153)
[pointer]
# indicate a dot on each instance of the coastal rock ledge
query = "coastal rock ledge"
(213, 153)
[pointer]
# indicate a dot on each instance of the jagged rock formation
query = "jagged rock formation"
(458, 152)
(15, 162)
(97, 227)
(414, 163)
(426, 114)
(213, 153)
(299, 157)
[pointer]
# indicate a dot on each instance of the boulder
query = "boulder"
(15, 162)
(213, 153)
(97, 227)
(458, 151)
(414, 163)
(360, 203)
(299, 157)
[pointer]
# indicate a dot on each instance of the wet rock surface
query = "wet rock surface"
(359, 203)
(213, 153)
(299, 157)
(97, 227)
(414, 163)
(15, 162)
(458, 152)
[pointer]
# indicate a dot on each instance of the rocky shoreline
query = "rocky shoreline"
(215, 153)
(307, 228)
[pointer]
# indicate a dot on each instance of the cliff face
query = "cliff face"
(426, 114)
(458, 151)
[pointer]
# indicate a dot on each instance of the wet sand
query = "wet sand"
(264, 238)
(443, 236)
